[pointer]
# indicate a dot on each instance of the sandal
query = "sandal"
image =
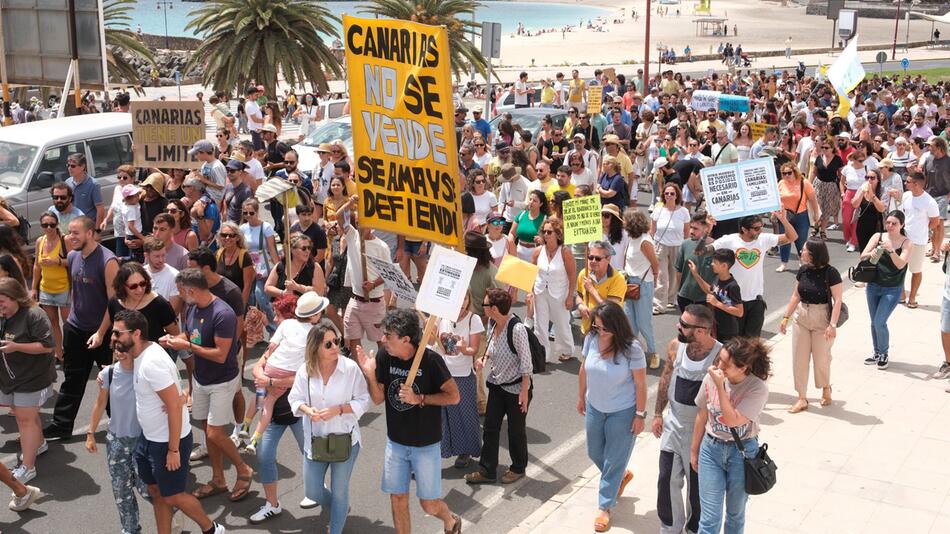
(241, 490)
(208, 490)
(627, 477)
(602, 523)
(911, 305)
(457, 527)
(799, 406)
(565, 358)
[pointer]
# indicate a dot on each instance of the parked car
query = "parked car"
(530, 119)
(33, 157)
(328, 131)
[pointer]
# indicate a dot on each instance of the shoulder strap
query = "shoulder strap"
(109, 397)
(510, 332)
(737, 441)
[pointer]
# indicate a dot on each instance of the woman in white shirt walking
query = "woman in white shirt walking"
(553, 294)
(668, 229)
(331, 392)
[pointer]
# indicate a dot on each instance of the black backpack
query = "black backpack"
(538, 354)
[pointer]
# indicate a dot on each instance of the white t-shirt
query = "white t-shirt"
(748, 267)
(353, 278)
(255, 169)
(450, 333)
(853, 178)
(484, 204)
(918, 212)
(163, 282)
(585, 177)
(669, 225)
(804, 151)
(618, 260)
(118, 223)
(636, 264)
(215, 172)
(254, 237)
(516, 191)
(155, 371)
(253, 110)
(291, 341)
(521, 99)
(131, 213)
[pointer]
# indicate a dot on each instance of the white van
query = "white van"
(33, 157)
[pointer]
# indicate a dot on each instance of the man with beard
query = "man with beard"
(688, 358)
(162, 452)
(237, 191)
(175, 254)
(63, 206)
(92, 270)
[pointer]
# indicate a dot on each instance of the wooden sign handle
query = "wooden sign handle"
(431, 323)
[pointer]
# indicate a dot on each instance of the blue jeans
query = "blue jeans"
(267, 449)
(640, 312)
(609, 445)
(800, 223)
(121, 250)
(337, 497)
(262, 301)
(722, 478)
(881, 303)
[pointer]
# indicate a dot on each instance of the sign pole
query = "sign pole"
(7, 117)
(363, 260)
(287, 251)
(431, 323)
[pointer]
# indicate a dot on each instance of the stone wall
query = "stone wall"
(156, 42)
(877, 10)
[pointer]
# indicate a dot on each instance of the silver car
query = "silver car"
(33, 157)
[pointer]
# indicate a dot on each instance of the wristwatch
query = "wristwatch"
(642, 415)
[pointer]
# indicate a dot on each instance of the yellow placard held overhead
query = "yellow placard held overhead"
(517, 273)
(595, 99)
(406, 163)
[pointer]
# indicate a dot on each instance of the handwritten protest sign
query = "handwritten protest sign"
(394, 279)
(595, 99)
(582, 220)
(757, 129)
(705, 100)
(739, 189)
(163, 133)
(445, 283)
(734, 103)
(517, 273)
(403, 128)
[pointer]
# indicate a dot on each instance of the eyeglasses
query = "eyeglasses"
(49, 225)
(132, 287)
(597, 329)
(227, 236)
(60, 197)
(331, 343)
(305, 248)
(686, 326)
(595, 258)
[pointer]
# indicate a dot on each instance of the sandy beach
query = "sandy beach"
(756, 21)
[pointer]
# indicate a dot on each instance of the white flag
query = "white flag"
(846, 72)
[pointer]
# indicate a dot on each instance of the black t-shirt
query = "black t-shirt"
(685, 168)
(828, 173)
(726, 227)
(227, 291)
(814, 284)
(159, 314)
(150, 209)
(556, 151)
(728, 293)
(406, 424)
(276, 151)
(316, 235)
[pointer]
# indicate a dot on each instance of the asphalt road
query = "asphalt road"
(79, 498)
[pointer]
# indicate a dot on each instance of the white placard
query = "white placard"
(445, 283)
(739, 189)
(704, 100)
(394, 279)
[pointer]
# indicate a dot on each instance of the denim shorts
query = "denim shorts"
(413, 247)
(150, 456)
(59, 300)
(401, 461)
(945, 315)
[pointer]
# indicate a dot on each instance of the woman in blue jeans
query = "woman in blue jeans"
(641, 266)
(330, 393)
(612, 388)
(891, 250)
(730, 401)
(798, 197)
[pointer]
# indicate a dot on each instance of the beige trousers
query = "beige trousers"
(666, 284)
(809, 343)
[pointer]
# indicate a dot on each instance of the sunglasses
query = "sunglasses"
(124, 177)
(219, 136)
(595, 258)
(788, 173)
(49, 225)
(305, 248)
(479, 144)
(247, 213)
(60, 197)
(228, 236)
(478, 182)
(331, 343)
(72, 165)
(120, 332)
(290, 162)
(547, 232)
(575, 164)
(132, 287)
(172, 210)
(686, 326)
(497, 222)
(671, 193)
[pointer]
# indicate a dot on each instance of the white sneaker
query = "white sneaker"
(178, 522)
(19, 504)
(266, 512)
(219, 529)
(199, 452)
(251, 447)
(42, 448)
(24, 475)
(236, 440)
(850, 248)
(306, 503)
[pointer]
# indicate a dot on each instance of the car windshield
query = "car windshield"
(329, 132)
(15, 160)
(529, 123)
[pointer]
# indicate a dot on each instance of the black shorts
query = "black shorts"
(150, 457)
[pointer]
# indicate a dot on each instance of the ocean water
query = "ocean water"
(509, 14)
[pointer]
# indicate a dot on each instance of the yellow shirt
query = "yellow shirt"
(626, 166)
(547, 95)
(613, 285)
(576, 91)
(557, 187)
(53, 278)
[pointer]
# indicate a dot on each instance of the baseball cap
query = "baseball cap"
(201, 146)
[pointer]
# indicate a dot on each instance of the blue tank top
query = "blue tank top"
(87, 278)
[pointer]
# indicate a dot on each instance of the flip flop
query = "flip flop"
(565, 358)
(241, 491)
(912, 305)
(208, 490)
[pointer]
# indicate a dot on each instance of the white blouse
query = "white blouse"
(345, 386)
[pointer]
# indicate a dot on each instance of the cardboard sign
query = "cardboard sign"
(445, 283)
(406, 164)
(164, 132)
(739, 189)
(582, 220)
(517, 273)
(734, 103)
(394, 279)
(595, 99)
(611, 74)
(704, 100)
(757, 129)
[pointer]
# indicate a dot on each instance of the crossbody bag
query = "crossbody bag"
(332, 448)
(760, 470)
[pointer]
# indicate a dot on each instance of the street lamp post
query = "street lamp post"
(165, 6)
(646, 53)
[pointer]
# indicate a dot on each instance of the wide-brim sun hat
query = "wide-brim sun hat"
(310, 304)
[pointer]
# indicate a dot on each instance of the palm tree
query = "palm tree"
(119, 38)
(455, 15)
(244, 40)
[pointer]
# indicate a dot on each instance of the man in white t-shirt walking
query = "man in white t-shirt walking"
(255, 119)
(522, 91)
(750, 245)
(922, 216)
(162, 453)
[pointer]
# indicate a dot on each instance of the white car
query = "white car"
(326, 132)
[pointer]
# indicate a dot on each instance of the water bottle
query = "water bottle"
(876, 255)
(260, 393)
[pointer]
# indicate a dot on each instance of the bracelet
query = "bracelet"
(171, 451)
(422, 400)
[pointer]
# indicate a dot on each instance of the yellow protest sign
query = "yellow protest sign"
(582, 220)
(595, 99)
(757, 129)
(406, 163)
(163, 133)
(517, 273)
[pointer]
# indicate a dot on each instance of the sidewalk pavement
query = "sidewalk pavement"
(872, 462)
